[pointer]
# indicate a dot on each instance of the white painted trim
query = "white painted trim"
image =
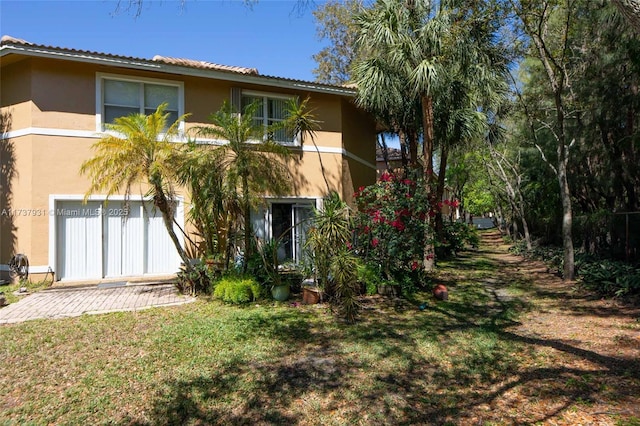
(33, 269)
(44, 131)
(47, 131)
(259, 94)
(100, 77)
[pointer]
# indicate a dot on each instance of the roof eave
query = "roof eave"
(146, 65)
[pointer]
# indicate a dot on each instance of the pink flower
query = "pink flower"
(375, 242)
(407, 182)
(349, 246)
(414, 265)
(398, 224)
(386, 177)
(366, 229)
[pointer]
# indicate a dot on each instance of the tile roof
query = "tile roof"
(7, 40)
(192, 63)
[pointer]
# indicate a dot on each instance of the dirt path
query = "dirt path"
(586, 350)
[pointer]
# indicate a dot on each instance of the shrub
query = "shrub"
(344, 268)
(370, 276)
(393, 215)
(198, 280)
(237, 289)
(610, 277)
(456, 236)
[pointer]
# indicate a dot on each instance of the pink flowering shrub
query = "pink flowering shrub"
(390, 227)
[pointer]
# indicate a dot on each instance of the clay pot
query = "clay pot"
(440, 292)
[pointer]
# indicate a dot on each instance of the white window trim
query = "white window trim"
(100, 77)
(265, 117)
(314, 202)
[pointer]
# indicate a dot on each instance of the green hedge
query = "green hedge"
(238, 290)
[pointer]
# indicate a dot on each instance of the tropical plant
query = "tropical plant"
(214, 205)
(330, 232)
(424, 61)
(252, 163)
(140, 151)
(344, 271)
(302, 122)
(198, 279)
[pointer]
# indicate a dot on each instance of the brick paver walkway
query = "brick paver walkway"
(62, 303)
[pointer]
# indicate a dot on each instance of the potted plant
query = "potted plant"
(291, 274)
(280, 289)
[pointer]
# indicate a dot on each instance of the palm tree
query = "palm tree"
(630, 9)
(250, 162)
(301, 121)
(474, 87)
(213, 206)
(140, 151)
(405, 40)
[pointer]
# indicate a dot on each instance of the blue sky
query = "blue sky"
(271, 35)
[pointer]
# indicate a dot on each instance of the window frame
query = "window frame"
(265, 110)
(102, 77)
(297, 238)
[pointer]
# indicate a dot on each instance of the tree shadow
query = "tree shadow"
(454, 362)
(8, 173)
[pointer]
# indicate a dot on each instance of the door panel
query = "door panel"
(100, 239)
(79, 240)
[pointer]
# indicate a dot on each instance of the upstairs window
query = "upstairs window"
(272, 110)
(122, 97)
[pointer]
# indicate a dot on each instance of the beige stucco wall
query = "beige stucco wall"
(61, 95)
(359, 139)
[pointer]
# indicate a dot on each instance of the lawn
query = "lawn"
(455, 362)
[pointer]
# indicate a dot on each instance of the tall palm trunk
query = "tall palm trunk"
(427, 153)
(247, 220)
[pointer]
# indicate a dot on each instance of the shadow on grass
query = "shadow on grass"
(453, 362)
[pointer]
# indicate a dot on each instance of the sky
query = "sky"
(272, 36)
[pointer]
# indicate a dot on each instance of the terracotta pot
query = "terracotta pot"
(311, 296)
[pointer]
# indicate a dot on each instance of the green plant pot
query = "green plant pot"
(280, 292)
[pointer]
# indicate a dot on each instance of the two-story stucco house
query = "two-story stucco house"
(55, 102)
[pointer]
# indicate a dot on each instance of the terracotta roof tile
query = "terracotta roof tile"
(192, 63)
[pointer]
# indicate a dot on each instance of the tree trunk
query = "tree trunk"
(161, 202)
(247, 222)
(427, 153)
(444, 155)
(412, 135)
(567, 222)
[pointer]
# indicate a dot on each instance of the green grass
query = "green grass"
(211, 363)
(32, 287)
(207, 362)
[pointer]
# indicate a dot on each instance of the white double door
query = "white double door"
(98, 240)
